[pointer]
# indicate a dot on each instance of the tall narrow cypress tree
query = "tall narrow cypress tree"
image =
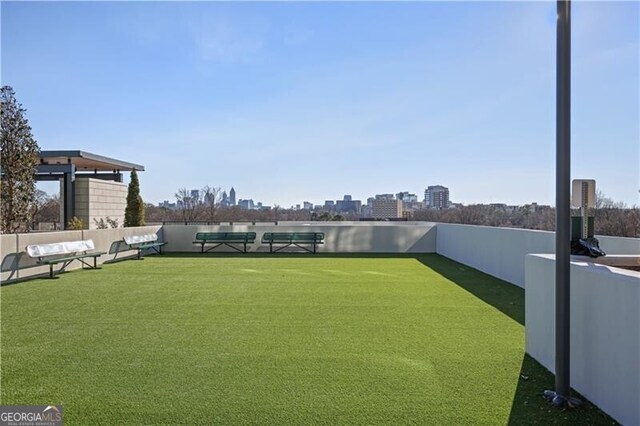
(134, 213)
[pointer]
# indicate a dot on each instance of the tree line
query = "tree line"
(610, 217)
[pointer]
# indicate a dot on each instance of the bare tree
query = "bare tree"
(615, 218)
(188, 204)
(40, 199)
(50, 211)
(211, 197)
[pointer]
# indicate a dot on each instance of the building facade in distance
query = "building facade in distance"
(436, 197)
(386, 208)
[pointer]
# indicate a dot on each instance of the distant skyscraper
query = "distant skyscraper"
(436, 197)
(246, 204)
(348, 204)
(232, 196)
(385, 197)
(406, 197)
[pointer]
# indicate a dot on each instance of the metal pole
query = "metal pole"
(563, 193)
(561, 397)
(584, 210)
(69, 196)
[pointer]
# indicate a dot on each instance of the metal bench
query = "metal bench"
(65, 253)
(297, 239)
(229, 239)
(144, 242)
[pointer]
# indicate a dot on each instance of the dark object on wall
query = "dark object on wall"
(586, 247)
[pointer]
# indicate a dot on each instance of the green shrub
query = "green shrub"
(76, 224)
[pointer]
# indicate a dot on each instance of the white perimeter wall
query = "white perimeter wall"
(501, 251)
(16, 264)
(605, 331)
(345, 237)
(497, 251)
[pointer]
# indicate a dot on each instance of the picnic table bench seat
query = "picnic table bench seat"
(229, 239)
(64, 253)
(144, 242)
(297, 239)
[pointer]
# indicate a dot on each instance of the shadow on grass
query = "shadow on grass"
(529, 406)
(506, 297)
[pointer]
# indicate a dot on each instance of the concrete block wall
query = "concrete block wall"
(98, 199)
(605, 331)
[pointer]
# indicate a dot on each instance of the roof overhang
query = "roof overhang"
(86, 161)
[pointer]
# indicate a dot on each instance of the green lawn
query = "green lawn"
(275, 339)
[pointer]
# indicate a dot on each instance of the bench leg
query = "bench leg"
(95, 263)
(51, 271)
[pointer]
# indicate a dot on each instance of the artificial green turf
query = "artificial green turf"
(271, 339)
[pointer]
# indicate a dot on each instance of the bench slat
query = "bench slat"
(293, 239)
(286, 237)
(53, 249)
(64, 252)
(225, 237)
(139, 239)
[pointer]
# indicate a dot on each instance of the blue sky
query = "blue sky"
(300, 101)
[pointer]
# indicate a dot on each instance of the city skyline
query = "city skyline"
(355, 98)
(409, 200)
